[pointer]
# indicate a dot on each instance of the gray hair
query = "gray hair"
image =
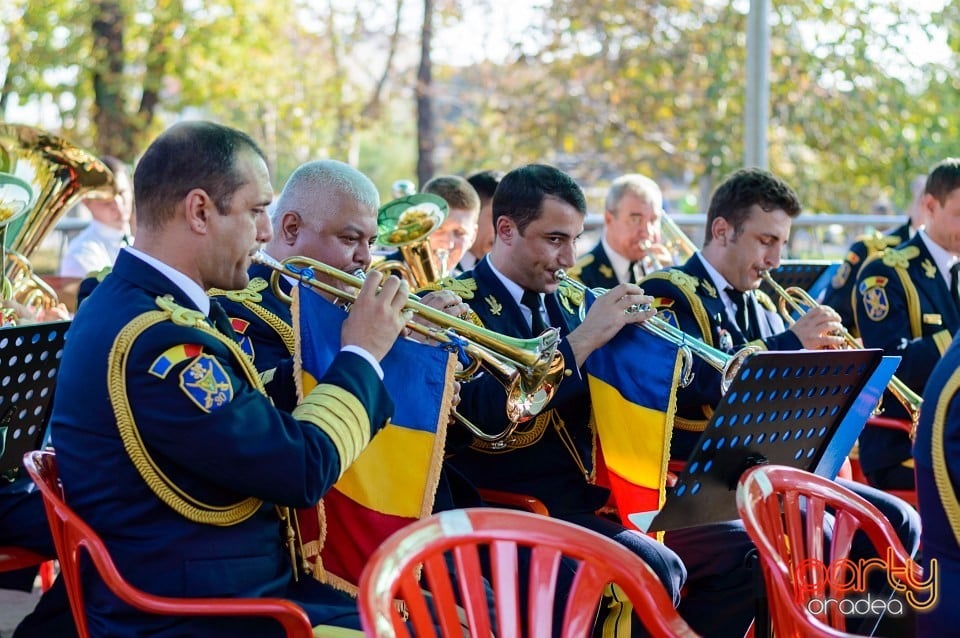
(320, 179)
(640, 185)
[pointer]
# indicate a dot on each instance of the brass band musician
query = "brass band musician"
(631, 246)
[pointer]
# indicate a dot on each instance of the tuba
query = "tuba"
(406, 224)
(41, 177)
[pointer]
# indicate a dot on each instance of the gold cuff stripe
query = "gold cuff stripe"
(942, 340)
(341, 416)
(941, 473)
(158, 482)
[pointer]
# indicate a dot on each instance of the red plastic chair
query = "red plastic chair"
(770, 500)
(71, 535)
(898, 425)
(14, 558)
(393, 570)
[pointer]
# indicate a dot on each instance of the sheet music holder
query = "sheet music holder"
(29, 362)
(783, 408)
(811, 275)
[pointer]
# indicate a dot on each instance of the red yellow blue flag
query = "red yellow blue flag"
(632, 380)
(394, 480)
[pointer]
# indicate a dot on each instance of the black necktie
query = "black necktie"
(746, 320)
(531, 300)
(955, 283)
(220, 320)
(633, 272)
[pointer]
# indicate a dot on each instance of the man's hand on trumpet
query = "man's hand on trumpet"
(444, 301)
(819, 329)
(611, 311)
(377, 316)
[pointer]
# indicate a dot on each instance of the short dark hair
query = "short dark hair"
(521, 192)
(456, 191)
(944, 179)
(740, 191)
(485, 183)
(189, 155)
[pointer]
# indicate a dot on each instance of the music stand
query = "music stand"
(783, 408)
(29, 362)
(811, 275)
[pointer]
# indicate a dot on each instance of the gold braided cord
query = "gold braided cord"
(161, 485)
(942, 340)
(913, 301)
(941, 473)
(341, 416)
(521, 438)
(250, 297)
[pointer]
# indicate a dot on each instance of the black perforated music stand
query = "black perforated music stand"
(810, 275)
(783, 408)
(29, 361)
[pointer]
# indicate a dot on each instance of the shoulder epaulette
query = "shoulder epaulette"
(582, 263)
(251, 299)
(101, 274)
(463, 287)
(570, 298)
(249, 294)
(878, 243)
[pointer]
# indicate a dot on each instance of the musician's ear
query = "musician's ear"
(290, 225)
(721, 230)
(198, 207)
(506, 229)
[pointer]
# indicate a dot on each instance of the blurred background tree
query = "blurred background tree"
(599, 87)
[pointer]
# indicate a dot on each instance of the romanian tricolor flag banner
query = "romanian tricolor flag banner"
(394, 480)
(632, 388)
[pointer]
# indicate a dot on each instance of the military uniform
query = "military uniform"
(594, 269)
(551, 456)
(169, 449)
(264, 330)
(841, 295)
(937, 455)
(903, 307)
(687, 297)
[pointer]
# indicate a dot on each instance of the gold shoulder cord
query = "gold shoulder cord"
(696, 305)
(250, 298)
(159, 483)
(941, 473)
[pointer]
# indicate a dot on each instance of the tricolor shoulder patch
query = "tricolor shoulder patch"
(873, 292)
(203, 380)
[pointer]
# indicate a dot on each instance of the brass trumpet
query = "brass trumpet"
(800, 301)
(529, 369)
(728, 365)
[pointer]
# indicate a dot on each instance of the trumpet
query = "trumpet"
(798, 300)
(728, 365)
(529, 369)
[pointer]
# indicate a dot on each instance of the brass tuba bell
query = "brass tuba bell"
(56, 175)
(406, 224)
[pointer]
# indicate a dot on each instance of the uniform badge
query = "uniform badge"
(605, 270)
(725, 340)
(928, 268)
(843, 272)
(240, 327)
(495, 307)
(874, 297)
(708, 288)
(206, 383)
(664, 307)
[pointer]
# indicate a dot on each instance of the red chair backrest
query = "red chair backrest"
(393, 573)
(71, 535)
(783, 511)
